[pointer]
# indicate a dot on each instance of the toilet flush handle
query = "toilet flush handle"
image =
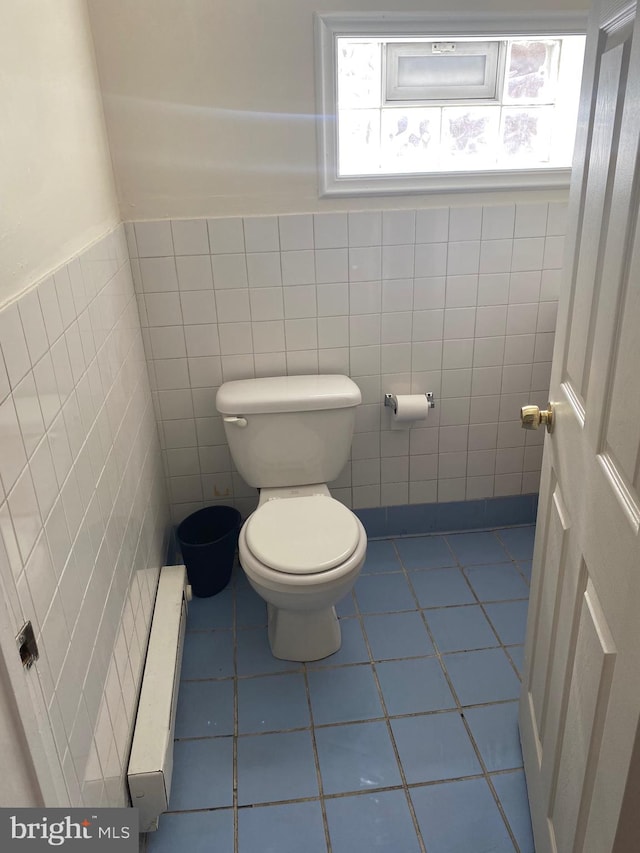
(239, 422)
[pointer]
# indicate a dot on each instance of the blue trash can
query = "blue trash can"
(208, 539)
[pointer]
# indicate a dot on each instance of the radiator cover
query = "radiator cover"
(151, 760)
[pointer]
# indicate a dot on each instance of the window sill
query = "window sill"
(444, 182)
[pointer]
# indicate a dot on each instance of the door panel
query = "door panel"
(580, 704)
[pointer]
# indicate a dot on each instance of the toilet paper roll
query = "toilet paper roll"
(409, 408)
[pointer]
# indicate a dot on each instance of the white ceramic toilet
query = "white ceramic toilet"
(301, 549)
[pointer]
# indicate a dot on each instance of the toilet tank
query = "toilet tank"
(289, 430)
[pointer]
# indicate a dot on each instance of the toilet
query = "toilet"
(301, 549)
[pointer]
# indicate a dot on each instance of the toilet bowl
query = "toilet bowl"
(302, 554)
(301, 549)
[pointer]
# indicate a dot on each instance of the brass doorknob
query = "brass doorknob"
(532, 417)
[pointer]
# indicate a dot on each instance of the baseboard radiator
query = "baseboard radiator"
(151, 760)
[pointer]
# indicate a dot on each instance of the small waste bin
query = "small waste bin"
(208, 540)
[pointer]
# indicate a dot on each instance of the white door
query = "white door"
(580, 704)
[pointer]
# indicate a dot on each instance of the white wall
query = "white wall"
(210, 106)
(458, 301)
(55, 174)
(83, 512)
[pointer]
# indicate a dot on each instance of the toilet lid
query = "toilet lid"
(302, 535)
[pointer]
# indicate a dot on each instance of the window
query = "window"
(412, 105)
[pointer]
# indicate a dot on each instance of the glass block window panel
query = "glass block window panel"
(414, 111)
(359, 65)
(410, 140)
(526, 134)
(469, 136)
(532, 71)
(359, 142)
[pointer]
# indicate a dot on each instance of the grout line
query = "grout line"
(460, 710)
(305, 669)
(316, 759)
(405, 786)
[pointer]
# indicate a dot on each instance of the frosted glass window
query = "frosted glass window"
(403, 110)
(441, 70)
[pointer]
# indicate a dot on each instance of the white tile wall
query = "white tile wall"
(83, 512)
(458, 301)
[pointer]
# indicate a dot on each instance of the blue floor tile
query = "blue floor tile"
(207, 655)
(482, 676)
(272, 703)
(457, 629)
(414, 686)
(356, 757)
(344, 694)
(275, 767)
(202, 774)
(193, 832)
(434, 747)
(397, 635)
(460, 817)
(346, 606)
(474, 548)
(512, 791)
(425, 552)
(500, 582)
(205, 709)
(254, 654)
(371, 823)
(495, 731)
(383, 594)
(441, 587)
(413, 592)
(381, 557)
(251, 610)
(519, 541)
(278, 829)
(208, 614)
(516, 653)
(525, 568)
(509, 618)
(352, 650)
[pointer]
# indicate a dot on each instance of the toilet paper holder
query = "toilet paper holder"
(391, 401)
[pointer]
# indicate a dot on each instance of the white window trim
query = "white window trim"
(331, 26)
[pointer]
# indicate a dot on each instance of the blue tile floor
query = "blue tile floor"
(404, 740)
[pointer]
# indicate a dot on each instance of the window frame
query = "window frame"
(329, 27)
(485, 93)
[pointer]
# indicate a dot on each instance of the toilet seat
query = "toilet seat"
(304, 535)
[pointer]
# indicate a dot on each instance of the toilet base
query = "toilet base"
(303, 635)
